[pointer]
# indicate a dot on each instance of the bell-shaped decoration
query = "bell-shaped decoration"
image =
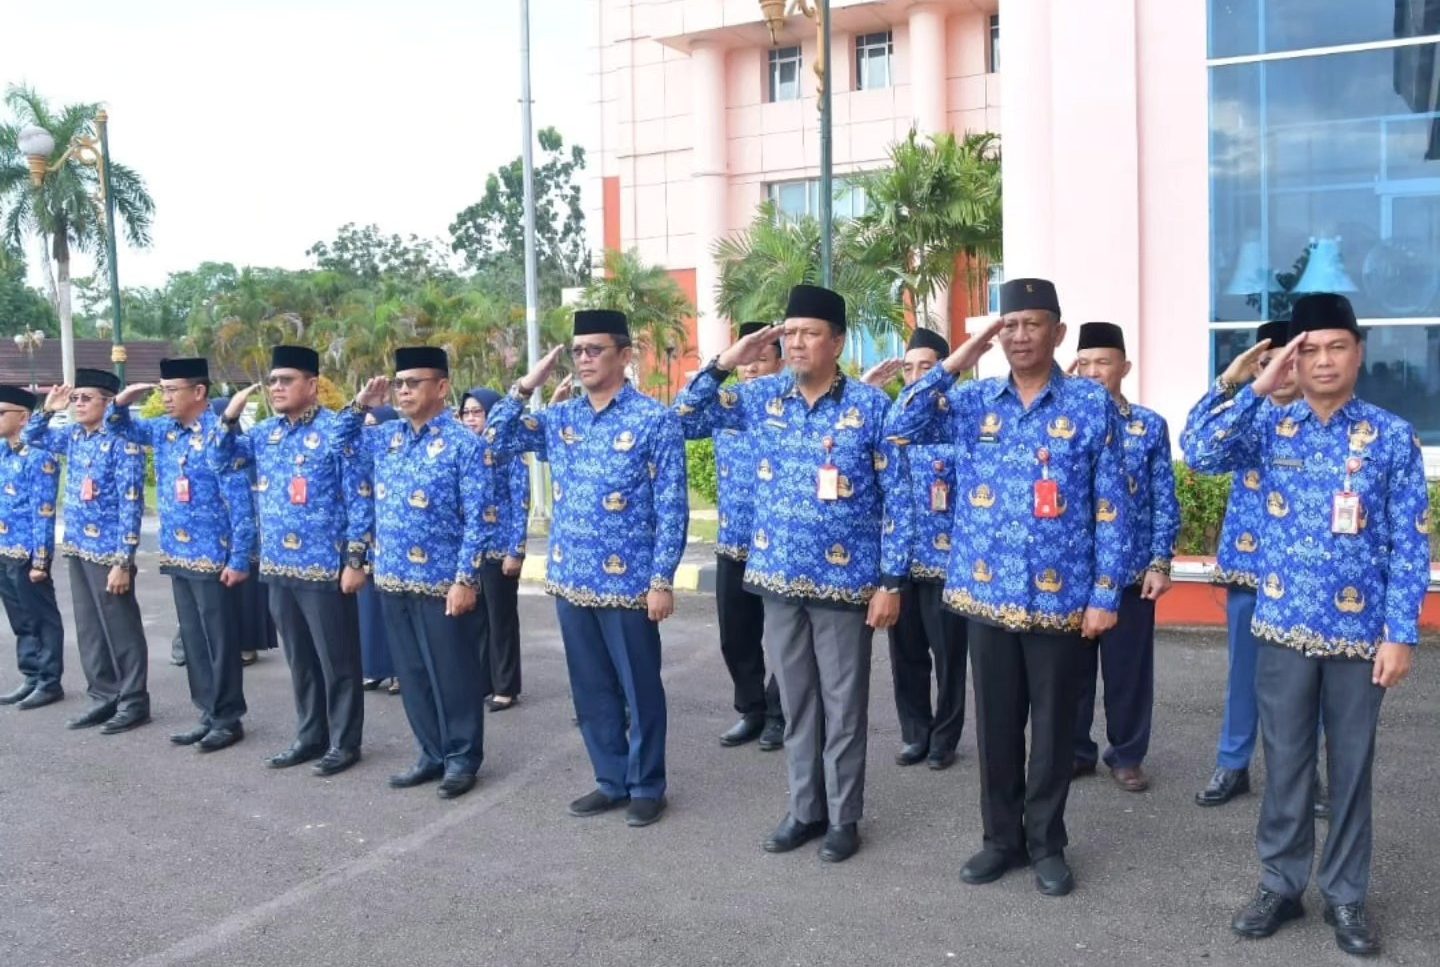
(1252, 275)
(1325, 271)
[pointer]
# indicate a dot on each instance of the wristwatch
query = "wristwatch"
(520, 392)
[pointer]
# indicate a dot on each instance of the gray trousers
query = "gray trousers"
(320, 630)
(1294, 692)
(821, 660)
(111, 638)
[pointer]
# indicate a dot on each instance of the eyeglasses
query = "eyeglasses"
(589, 351)
(410, 382)
(472, 411)
(174, 388)
(83, 397)
(280, 380)
(8, 412)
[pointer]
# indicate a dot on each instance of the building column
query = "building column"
(929, 85)
(710, 187)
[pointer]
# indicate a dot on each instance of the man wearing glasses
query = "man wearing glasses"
(431, 487)
(313, 542)
(104, 497)
(29, 480)
(617, 462)
(207, 533)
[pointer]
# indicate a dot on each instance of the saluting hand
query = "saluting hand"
(1242, 368)
(540, 375)
(1096, 623)
(883, 372)
(1074, 367)
(238, 401)
(564, 390)
(748, 349)
(1392, 664)
(133, 392)
(1279, 367)
(58, 398)
(374, 392)
(968, 353)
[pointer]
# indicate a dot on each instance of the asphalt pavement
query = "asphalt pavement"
(125, 850)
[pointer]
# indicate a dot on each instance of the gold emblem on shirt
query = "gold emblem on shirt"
(47, 510)
(990, 426)
(1363, 434)
(312, 441)
(262, 485)
(568, 435)
(556, 554)
(764, 472)
(685, 409)
(291, 542)
(1105, 583)
(1061, 428)
(1049, 581)
(182, 535)
(435, 447)
(489, 458)
(941, 541)
(1276, 505)
(1287, 428)
(761, 540)
(4, 527)
(397, 441)
(1252, 480)
(417, 555)
(614, 564)
(728, 398)
(852, 420)
(844, 487)
(1274, 588)
(1246, 543)
(363, 489)
(419, 500)
(1105, 512)
(775, 406)
(380, 491)
(838, 555)
(1350, 601)
(982, 496)
(92, 530)
(625, 442)
(555, 490)
(1135, 428)
(879, 460)
(614, 502)
(981, 572)
(132, 494)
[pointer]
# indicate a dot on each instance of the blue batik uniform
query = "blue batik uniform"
(507, 516)
(1008, 567)
(932, 474)
(621, 511)
(29, 483)
(103, 528)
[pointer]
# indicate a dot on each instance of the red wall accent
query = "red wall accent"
(610, 200)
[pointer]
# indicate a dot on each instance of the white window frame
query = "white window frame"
(865, 47)
(779, 56)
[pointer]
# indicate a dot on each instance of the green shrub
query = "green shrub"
(1435, 520)
(1202, 509)
(700, 468)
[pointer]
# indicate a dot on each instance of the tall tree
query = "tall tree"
(938, 201)
(66, 212)
(21, 307)
(490, 234)
(367, 254)
(655, 304)
(759, 266)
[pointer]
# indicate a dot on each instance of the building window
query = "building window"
(994, 43)
(993, 283)
(1325, 176)
(799, 199)
(784, 74)
(873, 53)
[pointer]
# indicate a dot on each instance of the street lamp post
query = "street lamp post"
(37, 145)
(29, 341)
(775, 12)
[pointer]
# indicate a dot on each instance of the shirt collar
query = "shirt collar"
(1301, 411)
(435, 425)
(835, 392)
(626, 391)
(1055, 385)
(306, 417)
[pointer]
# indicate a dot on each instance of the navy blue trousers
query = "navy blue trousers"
(614, 659)
(1125, 657)
(35, 620)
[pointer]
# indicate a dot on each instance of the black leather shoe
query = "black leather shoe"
(1354, 933)
(1082, 769)
(773, 738)
(217, 739)
(644, 811)
(125, 720)
(990, 864)
(416, 775)
(1224, 786)
(293, 756)
(911, 753)
(1266, 913)
(792, 834)
(92, 716)
(748, 729)
(39, 699)
(841, 843)
(455, 785)
(192, 736)
(17, 694)
(335, 762)
(595, 802)
(1053, 876)
(940, 760)
(370, 684)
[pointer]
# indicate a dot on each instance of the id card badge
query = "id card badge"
(299, 490)
(1345, 513)
(1047, 499)
(827, 483)
(939, 497)
(182, 490)
(87, 489)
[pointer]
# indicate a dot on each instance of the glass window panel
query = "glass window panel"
(995, 43)
(1241, 27)
(785, 74)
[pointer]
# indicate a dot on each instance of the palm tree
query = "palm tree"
(937, 202)
(759, 266)
(66, 212)
(655, 304)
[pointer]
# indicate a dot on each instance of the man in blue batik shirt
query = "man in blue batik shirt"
(104, 497)
(1343, 565)
(207, 536)
(617, 466)
(740, 613)
(1036, 565)
(1125, 655)
(1235, 563)
(431, 487)
(29, 482)
(830, 547)
(313, 541)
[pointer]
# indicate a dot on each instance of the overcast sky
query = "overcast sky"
(261, 126)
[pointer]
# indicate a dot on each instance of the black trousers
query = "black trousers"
(35, 620)
(499, 619)
(320, 629)
(110, 636)
(209, 616)
(439, 670)
(927, 628)
(1125, 658)
(741, 616)
(1020, 677)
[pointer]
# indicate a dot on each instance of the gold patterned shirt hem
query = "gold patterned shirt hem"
(733, 552)
(806, 588)
(1012, 617)
(1241, 579)
(1313, 644)
(107, 560)
(398, 586)
(586, 598)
